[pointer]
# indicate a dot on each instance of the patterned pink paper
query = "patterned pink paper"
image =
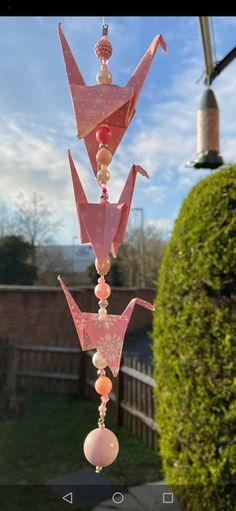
(105, 104)
(104, 225)
(104, 332)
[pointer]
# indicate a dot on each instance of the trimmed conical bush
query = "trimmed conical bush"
(195, 347)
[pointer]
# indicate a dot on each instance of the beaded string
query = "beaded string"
(106, 453)
(103, 51)
(103, 384)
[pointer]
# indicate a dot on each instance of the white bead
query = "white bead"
(103, 303)
(98, 360)
(102, 311)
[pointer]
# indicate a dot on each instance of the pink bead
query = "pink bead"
(102, 409)
(102, 290)
(105, 398)
(104, 190)
(103, 135)
(103, 385)
(101, 372)
(101, 447)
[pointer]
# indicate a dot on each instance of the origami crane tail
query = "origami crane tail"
(130, 307)
(80, 196)
(74, 75)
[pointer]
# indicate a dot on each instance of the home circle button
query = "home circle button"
(117, 497)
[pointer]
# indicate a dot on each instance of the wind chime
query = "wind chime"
(103, 113)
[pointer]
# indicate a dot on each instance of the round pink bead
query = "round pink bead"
(103, 135)
(102, 291)
(101, 447)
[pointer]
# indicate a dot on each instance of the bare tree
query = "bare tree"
(5, 220)
(33, 219)
(140, 257)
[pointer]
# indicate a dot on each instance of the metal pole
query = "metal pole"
(206, 44)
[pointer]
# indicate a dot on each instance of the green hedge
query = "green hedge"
(195, 347)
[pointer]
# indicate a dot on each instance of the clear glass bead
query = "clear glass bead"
(103, 303)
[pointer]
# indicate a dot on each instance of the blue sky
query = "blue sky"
(38, 126)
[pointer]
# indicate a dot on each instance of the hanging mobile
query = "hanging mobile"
(103, 113)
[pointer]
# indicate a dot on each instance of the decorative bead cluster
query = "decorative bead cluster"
(103, 48)
(104, 158)
(101, 445)
(102, 290)
(103, 384)
(103, 51)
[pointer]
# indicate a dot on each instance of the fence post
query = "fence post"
(11, 376)
(82, 374)
(119, 388)
(3, 361)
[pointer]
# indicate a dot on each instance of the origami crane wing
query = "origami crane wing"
(106, 333)
(104, 225)
(105, 103)
(80, 198)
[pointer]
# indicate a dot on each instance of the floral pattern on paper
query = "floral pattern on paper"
(105, 321)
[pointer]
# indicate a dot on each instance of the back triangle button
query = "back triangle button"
(68, 498)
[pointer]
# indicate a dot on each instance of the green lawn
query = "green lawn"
(47, 441)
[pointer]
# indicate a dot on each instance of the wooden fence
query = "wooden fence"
(68, 370)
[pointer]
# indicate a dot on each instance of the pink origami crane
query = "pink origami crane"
(104, 225)
(105, 103)
(104, 332)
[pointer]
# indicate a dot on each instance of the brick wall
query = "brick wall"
(40, 315)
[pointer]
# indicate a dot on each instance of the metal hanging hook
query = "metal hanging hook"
(104, 27)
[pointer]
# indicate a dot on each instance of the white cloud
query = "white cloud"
(155, 193)
(34, 163)
(163, 225)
